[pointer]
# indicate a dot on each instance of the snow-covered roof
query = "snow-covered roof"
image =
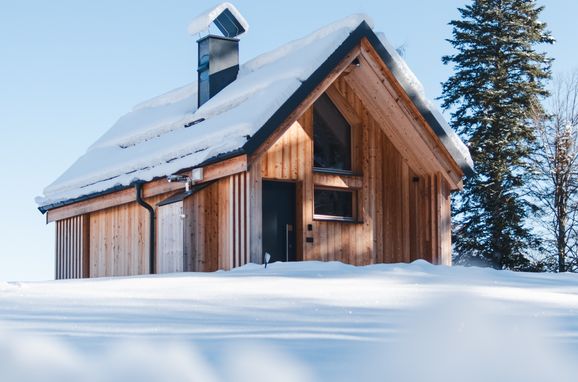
(168, 133)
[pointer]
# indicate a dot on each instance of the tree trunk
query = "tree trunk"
(561, 239)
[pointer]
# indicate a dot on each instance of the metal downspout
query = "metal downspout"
(151, 210)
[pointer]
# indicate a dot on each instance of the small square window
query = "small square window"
(333, 204)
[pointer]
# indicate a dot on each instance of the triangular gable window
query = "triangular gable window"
(332, 137)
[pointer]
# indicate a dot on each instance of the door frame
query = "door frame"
(297, 218)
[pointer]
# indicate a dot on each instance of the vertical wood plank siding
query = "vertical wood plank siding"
(254, 212)
(119, 240)
(169, 251)
(72, 248)
(403, 212)
(445, 224)
(216, 227)
(402, 201)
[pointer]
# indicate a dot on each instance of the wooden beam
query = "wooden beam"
(405, 212)
(254, 214)
(337, 181)
(343, 105)
(446, 225)
(91, 205)
(420, 124)
(225, 168)
(400, 128)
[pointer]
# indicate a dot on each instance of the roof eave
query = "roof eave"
(218, 158)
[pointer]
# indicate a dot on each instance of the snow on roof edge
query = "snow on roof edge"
(415, 90)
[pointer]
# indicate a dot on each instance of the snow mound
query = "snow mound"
(295, 322)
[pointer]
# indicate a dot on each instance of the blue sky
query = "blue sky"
(70, 69)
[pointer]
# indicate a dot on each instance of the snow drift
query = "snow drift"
(294, 322)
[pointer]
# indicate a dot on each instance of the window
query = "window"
(334, 204)
(332, 137)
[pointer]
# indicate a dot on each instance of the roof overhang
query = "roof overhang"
(233, 163)
(287, 110)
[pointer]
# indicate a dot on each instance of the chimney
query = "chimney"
(218, 64)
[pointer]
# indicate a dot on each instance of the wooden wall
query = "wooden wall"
(403, 213)
(119, 240)
(169, 241)
(72, 248)
(445, 223)
(216, 230)
(399, 178)
(206, 232)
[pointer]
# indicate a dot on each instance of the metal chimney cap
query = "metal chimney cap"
(228, 24)
(225, 16)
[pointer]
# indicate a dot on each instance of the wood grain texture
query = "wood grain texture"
(216, 232)
(451, 170)
(170, 234)
(72, 248)
(254, 215)
(402, 211)
(119, 238)
(401, 178)
(403, 129)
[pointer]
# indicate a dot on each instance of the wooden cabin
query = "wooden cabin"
(352, 164)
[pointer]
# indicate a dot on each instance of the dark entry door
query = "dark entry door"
(279, 220)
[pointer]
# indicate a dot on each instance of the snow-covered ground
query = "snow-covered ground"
(294, 322)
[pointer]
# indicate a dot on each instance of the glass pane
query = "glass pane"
(332, 136)
(334, 203)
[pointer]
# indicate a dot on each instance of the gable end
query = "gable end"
(430, 115)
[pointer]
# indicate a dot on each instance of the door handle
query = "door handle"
(286, 242)
(288, 228)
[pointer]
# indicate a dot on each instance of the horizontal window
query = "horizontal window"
(333, 204)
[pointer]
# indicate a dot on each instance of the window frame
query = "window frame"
(353, 130)
(336, 218)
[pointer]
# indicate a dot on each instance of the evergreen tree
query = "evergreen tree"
(498, 81)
